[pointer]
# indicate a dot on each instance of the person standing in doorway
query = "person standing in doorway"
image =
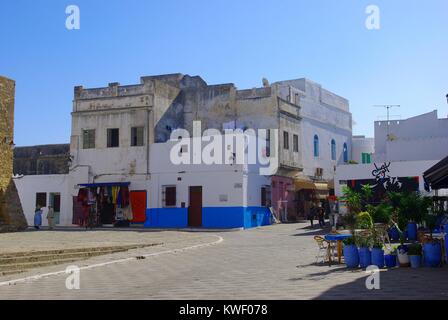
(37, 218)
(50, 217)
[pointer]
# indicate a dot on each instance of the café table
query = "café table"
(338, 238)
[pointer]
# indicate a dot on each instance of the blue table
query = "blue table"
(337, 238)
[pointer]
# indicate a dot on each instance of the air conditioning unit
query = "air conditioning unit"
(319, 172)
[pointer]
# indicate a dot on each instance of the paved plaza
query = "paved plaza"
(273, 262)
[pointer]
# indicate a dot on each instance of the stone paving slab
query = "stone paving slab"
(274, 262)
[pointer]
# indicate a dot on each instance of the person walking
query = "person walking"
(321, 216)
(50, 217)
(37, 218)
(311, 214)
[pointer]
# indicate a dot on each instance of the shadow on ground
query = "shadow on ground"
(396, 284)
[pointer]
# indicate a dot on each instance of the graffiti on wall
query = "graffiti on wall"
(383, 177)
(383, 181)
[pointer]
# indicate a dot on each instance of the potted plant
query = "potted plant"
(413, 207)
(432, 249)
(415, 254)
(351, 255)
(365, 256)
(364, 220)
(381, 213)
(378, 254)
(390, 258)
(402, 252)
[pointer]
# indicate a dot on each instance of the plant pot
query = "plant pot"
(378, 257)
(394, 234)
(390, 260)
(351, 256)
(402, 255)
(446, 243)
(416, 261)
(365, 257)
(412, 231)
(432, 254)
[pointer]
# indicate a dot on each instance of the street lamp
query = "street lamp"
(447, 98)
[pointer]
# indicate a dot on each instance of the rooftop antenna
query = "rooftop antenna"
(388, 107)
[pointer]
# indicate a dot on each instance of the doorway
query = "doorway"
(195, 207)
(55, 202)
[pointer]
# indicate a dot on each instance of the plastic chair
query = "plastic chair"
(326, 249)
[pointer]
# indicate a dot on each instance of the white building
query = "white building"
(222, 195)
(423, 137)
(326, 127)
(363, 149)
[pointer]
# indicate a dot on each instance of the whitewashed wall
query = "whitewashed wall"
(424, 137)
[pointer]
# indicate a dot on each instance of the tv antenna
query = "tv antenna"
(387, 107)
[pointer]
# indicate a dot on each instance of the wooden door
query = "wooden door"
(195, 207)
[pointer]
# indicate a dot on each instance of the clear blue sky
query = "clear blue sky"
(239, 41)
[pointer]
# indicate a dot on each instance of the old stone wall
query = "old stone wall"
(11, 213)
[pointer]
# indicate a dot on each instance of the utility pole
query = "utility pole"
(388, 107)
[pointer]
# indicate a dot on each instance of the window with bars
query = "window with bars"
(88, 139)
(169, 196)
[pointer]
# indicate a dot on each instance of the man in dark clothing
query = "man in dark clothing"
(321, 216)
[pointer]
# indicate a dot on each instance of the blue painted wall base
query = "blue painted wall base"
(212, 217)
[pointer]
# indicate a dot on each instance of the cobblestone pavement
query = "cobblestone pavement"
(274, 262)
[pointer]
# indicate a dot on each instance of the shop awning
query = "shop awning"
(105, 184)
(304, 184)
(321, 186)
(437, 176)
(310, 185)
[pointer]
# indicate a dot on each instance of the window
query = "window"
(316, 146)
(333, 149)
(366, 158)
(169, 196)
(295, 143)
(41, 199)
(137, 137)
(285, 140)
(345, 151)
(113, 138)
(268, 143)
(88, 139)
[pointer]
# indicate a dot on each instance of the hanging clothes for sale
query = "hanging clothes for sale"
(127, 213)
(82, 195)
(114, 195)
(119, 196)
(124, 191)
